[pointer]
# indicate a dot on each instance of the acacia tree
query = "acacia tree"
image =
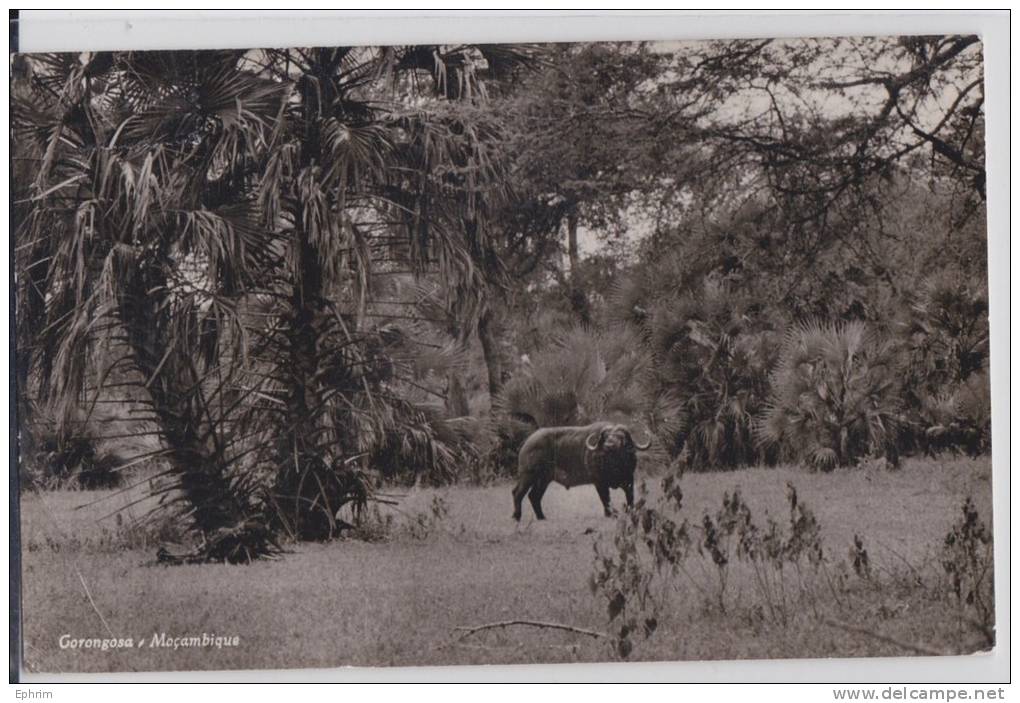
(591, 133)
(819, 125)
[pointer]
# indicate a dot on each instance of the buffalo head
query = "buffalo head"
(613, 437)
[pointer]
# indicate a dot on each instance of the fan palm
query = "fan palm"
(711, 352)
(582, 376)
(835, 395)
(124, 148)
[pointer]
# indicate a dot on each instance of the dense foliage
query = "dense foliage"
(300, 273)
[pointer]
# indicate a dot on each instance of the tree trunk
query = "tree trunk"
(194, 447)
(578, 297)
(306, 499)
(311, 483)
(456, 396)
(572, 252)
(490, 349)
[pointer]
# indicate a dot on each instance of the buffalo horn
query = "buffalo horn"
(645, 445)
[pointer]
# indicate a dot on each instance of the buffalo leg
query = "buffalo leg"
(628, 492)
(535, 496)
(519, 491)
(603, 490)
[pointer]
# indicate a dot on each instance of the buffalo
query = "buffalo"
(603, 454)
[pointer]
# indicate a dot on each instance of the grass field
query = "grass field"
(453, 557)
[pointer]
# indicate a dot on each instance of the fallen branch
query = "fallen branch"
(883, 638)
(533, 623)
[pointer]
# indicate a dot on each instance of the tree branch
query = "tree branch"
(533, 623)
(919, 649)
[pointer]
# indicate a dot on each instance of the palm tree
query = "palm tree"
(374, 175)
(208, 226)
(136, 179)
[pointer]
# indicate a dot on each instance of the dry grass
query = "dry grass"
(399, 600)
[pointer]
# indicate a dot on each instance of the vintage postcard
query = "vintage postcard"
(502, 353)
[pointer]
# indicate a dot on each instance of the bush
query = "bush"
(509, 432)
(835, 396)
(711, 351)
(653, 549)
(310, 494)
(73, 459)
(947, 328)
(409, 444)
(424, 523)
(583, 376)
(967, 561)
(957, 420)
(756, 572)
(947, 386)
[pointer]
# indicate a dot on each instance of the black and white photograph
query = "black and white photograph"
(417, 355)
